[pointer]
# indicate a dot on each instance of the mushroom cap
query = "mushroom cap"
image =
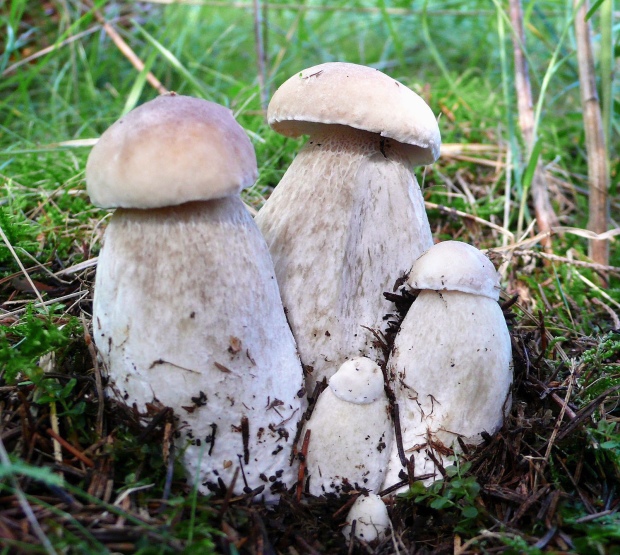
(455, 266)
(169, 151)
(356, 96)
(359, 380)
(371, 516)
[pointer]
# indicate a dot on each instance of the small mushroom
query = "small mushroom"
(347, 219)
(371, 519)
(187, 311)
(451, 362)
(350, 431)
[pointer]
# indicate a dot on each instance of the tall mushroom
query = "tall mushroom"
(347, 219)
(187, 310)
(450, 364)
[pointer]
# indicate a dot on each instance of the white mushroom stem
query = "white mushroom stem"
(450, 368)
(187, 313)
(344, 223)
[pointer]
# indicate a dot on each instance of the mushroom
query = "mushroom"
(187, 312)
(451, 362)
(347, 219)
(371, 519)
(350, 431)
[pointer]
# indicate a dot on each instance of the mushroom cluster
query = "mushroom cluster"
(187, 311)
(348, 218)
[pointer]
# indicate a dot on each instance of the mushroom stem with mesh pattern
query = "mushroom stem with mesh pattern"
(187, 312)
(348, 218)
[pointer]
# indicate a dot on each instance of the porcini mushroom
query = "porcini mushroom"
(350, 431)
(371, 519)
(450, 364)
(347, 219)
(187, 311)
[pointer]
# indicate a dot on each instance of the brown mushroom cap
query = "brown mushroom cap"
(357, 96)
(171, 150)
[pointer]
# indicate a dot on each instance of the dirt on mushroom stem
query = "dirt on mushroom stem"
(223, 376)
(450, 370)
(339, 229)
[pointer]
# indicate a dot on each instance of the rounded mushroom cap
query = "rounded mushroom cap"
(455, 266)
(171, 150)
(371, 516)
(356, 96)
(359, 380)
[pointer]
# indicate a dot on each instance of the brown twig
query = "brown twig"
(544, 390)
(586, 412)
(346, 506)
(437, 462)
(558, 424)
(545, 215)
(598, 170)
(565, 260)
(528, 503)
(75, 452)
(98, 381)
(609, 310)
(352, 537)
(50, 49)
(451, 211)
(261, 56)
(126, 50)
(302, 464)
(399, 436)
(229, 493)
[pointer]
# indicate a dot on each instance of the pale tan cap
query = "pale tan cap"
(171, 150)
(357, 96)
(455, 266)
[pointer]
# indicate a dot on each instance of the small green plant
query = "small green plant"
(601, 367)
(456, 492)
(23, 346)
(592, 536)
(21, 234)
(607, 443)
(606, 355)
(519, 546)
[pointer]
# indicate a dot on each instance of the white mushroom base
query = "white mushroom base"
(350, 431)
(346, 221)
(451, 375)
(187, 313)
(371, 518)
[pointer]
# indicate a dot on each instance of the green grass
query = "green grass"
(461, 64)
